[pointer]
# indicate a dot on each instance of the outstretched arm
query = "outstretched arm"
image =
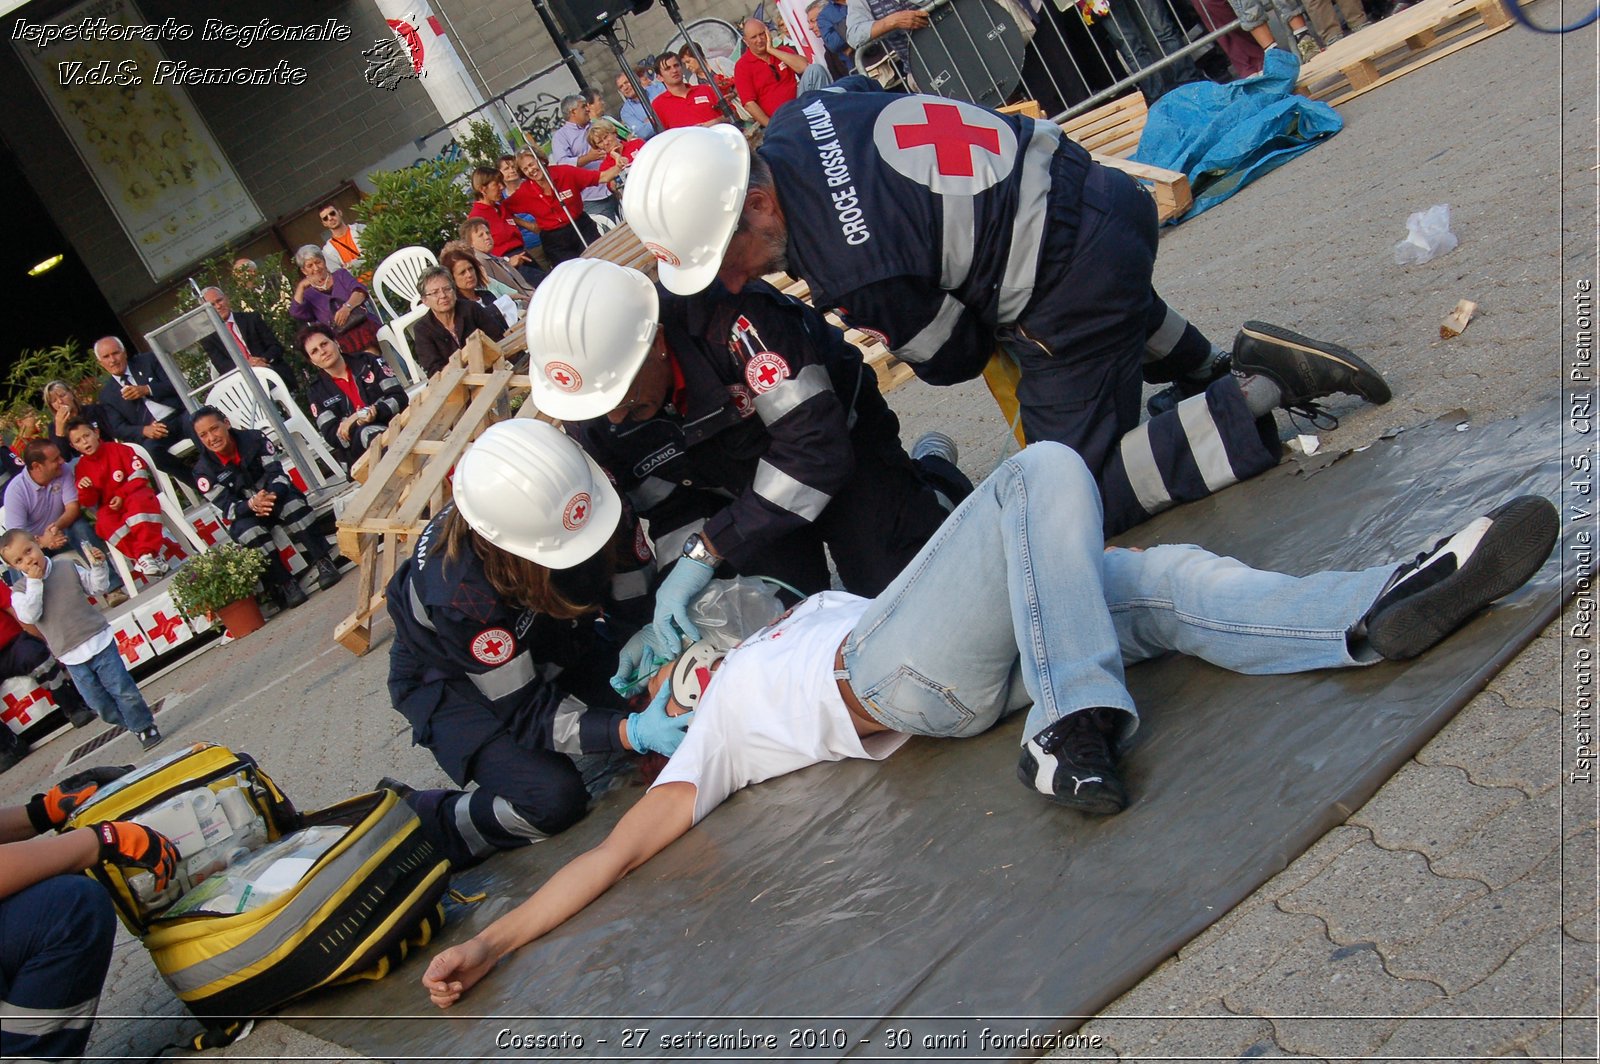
(661, 816)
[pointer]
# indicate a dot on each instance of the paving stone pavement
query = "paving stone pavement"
(1453, 916)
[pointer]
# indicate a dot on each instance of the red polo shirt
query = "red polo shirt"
(767, 83)
(507, 237)
(700, 105)
(546, 209)
(9, 628)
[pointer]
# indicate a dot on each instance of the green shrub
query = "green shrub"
(421, 205)
(224, 572)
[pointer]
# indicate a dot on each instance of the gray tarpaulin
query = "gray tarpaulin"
(861, 899)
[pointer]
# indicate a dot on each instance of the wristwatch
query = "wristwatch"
(695, 549)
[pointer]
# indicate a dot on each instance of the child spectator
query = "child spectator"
(76, 633)
(116, 480)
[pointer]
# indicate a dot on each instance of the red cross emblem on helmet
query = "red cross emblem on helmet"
(576, 513)
(952, 147)
(563, 376)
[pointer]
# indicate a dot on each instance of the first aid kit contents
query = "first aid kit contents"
(211, 829)
(257, 878)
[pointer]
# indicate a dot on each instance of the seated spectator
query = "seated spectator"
(44, 502)
(633, 113)
(443, 331)
(115, 480)
(862, 24)
(827, 19)
(239, 473)
(253, 335)
(554, 202)
(722, 71)
(343, 249)
(766, 77)
(682, 104)
(470, 282)
(353, 398)
(335, 299)
(63, 404)
(569, 146)
(605, 138)
(496, 211)
(475, 231)
(141, 406)
(524, 222)
(645, 71)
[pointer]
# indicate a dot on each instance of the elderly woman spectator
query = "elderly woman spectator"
(604, 138)
(353, 398)
(563, 223)
(63, 404)
(497, 211)
(471, 283)
(334, 299)
(496, 270)
(443, 331)
(569, 146)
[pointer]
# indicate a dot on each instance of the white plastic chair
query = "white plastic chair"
(232, 396)
(396, 346)
(175, 521)
(398, 273)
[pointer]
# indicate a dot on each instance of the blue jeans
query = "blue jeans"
(104, 683)
(1015, 600)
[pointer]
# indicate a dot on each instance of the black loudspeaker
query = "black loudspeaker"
(584, 20)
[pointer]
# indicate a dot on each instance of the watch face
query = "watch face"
(691, 546)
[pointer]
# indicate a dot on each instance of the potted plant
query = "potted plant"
(221, 582)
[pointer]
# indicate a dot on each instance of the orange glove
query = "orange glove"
(50, 810)
(129, 845)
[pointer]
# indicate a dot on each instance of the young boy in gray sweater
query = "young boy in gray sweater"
(53, 599)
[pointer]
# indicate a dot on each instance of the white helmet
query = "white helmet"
(590, 326)
(531, 491)
(683, 199)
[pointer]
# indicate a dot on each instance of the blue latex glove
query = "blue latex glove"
(641, 656)
(652, 729)
(687, 579)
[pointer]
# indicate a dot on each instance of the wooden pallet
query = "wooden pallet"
(1401, 43)
(622, 247)
(404, 475)
(1111, 133)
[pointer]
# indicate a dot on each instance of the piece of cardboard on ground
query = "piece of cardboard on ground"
(872, 896)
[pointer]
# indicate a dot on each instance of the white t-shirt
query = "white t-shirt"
(774, 707)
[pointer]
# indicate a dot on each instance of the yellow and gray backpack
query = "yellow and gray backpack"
(268, 904)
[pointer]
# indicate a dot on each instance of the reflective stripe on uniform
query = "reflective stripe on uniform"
(635, 583)
(935, 334)
(22, 1020)
(1165, 338)
(784, 491)
(960, 234)
(476, 844)
(512, 822)
(648, 492)
(809, 382)
(1144, 476)
(1027, 227)
(568, 723)
(507, 679)
(1205, 443)
(418, 610)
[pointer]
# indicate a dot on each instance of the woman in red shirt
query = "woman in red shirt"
(489, 186)
(558, 210)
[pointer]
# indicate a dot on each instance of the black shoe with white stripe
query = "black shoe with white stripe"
(1072, 763)
(1304, 369)
(1427, 599)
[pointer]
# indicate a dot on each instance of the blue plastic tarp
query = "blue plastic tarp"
(1225, 136)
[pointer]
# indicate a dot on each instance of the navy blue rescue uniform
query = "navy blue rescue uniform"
(229, 486)
(950, 229)
(55, 949)
(378, 388)
(774, 442)
(502, 696)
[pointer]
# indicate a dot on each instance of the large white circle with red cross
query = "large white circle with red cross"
(493, 646)
(576, 513)
(952, 147)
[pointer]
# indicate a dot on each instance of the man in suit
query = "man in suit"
(253, 334)
(141, 405)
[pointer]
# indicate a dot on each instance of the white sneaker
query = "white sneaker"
(150, 565)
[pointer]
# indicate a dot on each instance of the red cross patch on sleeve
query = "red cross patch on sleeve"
(493, 646)
(765, 372)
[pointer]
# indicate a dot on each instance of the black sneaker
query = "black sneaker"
(328, 573)
(1427, 599)
(289, 594)
(1071, 762)
(150, 738)
(1304, 369)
